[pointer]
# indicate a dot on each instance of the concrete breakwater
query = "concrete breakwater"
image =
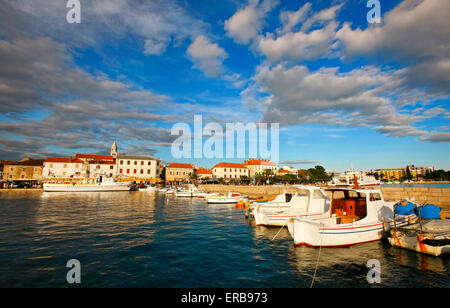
(437, 196)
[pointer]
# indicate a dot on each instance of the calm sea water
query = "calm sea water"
(136, 239)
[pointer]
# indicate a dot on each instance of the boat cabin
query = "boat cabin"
(350, 205)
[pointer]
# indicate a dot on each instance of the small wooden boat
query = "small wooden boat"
(429, 237)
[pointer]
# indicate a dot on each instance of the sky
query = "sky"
(344, 92)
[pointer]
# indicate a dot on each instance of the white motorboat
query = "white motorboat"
(228, 198)
(86, 185)
(308, 201)
(192, 191)
(149, 188)
(356, 216)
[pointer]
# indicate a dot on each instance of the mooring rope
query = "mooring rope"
(317, 263)
(279, 231)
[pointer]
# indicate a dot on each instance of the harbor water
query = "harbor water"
(139, 239)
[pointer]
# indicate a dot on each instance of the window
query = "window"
(135, 163)
(148, 171)
(121, 171)
(121, 162)
(375, 197)
(149, 163)
(128, 162)
(128, 171)
(142, 171)
(111, 167)
(171, 172)
(134, 171)
(142, 163)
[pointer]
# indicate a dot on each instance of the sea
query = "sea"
(141, 239)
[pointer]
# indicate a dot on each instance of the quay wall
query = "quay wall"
(437, 196)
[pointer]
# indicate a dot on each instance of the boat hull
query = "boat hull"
(316, 234)
(85, 188)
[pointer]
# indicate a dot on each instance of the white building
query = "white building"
(143, 167)
(64, 167)
(257, 166)
(230, 171)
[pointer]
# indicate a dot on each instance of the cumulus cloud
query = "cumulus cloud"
(207, 56)
(416, 33)
(247, 23)
(306, 43)
(436, 137)
(296, 95)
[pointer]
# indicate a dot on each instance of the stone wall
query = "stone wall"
(437, 196)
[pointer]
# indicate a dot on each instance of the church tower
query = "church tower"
(114, 149)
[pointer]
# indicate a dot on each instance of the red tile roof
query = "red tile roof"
(203, 171)
(259, 162)
(103, 162)
(229, 165)
(179, 165)
(94, 156)
(63, 160)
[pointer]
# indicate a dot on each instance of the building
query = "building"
(27, 169)
(65, 167)
(178, 172)
(282, 172)
(257, 166)
(3, 163)
(400, 173)
(229, 171)
(102, 167)
(135, 166)
(203, 174)
(289, 168)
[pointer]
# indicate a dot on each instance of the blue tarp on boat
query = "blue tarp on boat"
(407, 209)
(429, 211)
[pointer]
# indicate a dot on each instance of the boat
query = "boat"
(308, 201)
(101, 183)
(356, 215)
(350, 177)
(228, 198)
(430, 235)
(191, 191)
(149, 188)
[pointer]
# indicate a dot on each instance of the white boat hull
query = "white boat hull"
(85, 187)
(278, 219)
(225, 200)
(316, 233)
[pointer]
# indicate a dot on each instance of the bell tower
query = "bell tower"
(114, 149)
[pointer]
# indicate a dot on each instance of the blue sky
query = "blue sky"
(344, 92)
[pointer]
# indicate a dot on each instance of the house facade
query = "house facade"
(257, 166)
(27, 169)
(229, 171)
(178, 172)
(65, 167)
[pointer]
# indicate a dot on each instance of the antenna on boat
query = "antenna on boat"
(356, 181)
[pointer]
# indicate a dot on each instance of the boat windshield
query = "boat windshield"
(348, 205)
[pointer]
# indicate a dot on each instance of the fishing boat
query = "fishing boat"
(101, 183)
(356, 215)
(308, 201)
(228, 198)
(430, 235)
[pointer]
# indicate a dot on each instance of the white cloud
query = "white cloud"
(246, 23)
(416, 33)
(207, 56)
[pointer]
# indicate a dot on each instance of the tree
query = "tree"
(408, 173)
